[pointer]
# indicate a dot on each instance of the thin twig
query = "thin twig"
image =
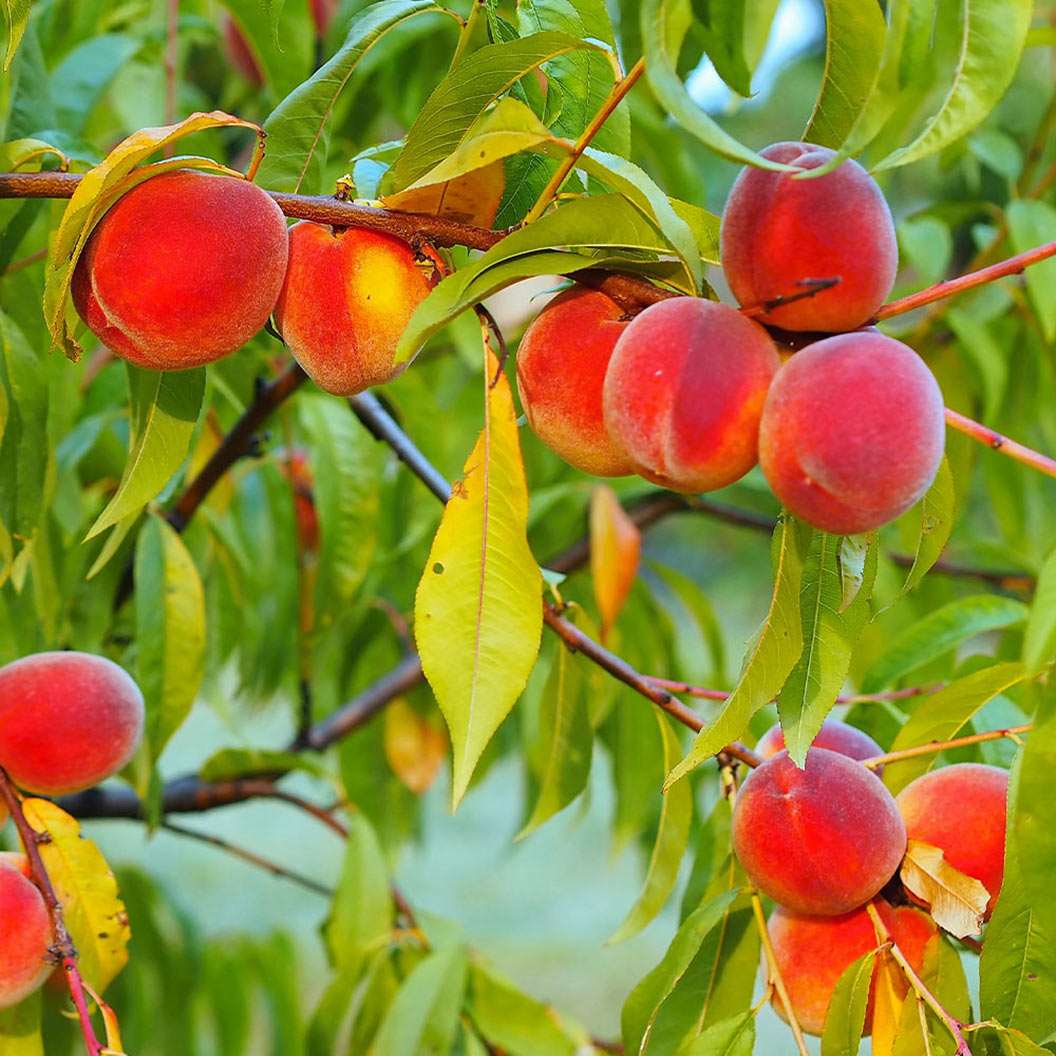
(775, 975)
(992, 439)
(941, 746)
(686, 689)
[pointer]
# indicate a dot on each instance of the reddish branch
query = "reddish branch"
(1028, 456)
(64, 951)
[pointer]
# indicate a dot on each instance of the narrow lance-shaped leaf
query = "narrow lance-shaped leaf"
(728, 1037)
(770, 658)
(170, 631)
(615, 547)
(1039, 641)
(831, 624)
(993, 33)
(16, 16)
(845, 1018)
(671, 841)
(478, 613)
(1032, 224)
(164, 409)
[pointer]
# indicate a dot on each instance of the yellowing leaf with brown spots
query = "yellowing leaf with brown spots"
(83, 883)
(413, 746)
(615, 548)
(957, 902)
(478, 613)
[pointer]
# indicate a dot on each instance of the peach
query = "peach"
(822, 840)
(183, 269)
(835, 735)
(852, 432)
(813, 952)
(962, 810)
(347, 298)
(561, 364)
(684, 392)
(67, 721)
(27, 934)
(779, 231)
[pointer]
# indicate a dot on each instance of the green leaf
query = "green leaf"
(478, 612)
(854, 44)
(1032, 224)
(640, 1010)
(20, 1028)
(512, 1021)
(831, 628)
(938, 632)
(939, 716)
(422, 1018)
(845, 1018)
(298, 128)
(730, 1037)
(603, 221)
(362, 914)
(568, 740)
(170, 630)
(164, 409)
(993, 33)
(771, 657)
(280, 39)
(461, 97)
(16, 15)
(722, 28)
(664, 27)
(1039, 640)
(671, 841)
(229, 763)
(80, 81)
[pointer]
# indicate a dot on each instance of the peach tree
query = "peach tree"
(352, 468)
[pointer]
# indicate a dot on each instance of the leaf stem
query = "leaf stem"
(1020, 452)
(775, 974)
(568, 163)
(940, 746)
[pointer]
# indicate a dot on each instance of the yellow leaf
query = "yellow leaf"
(413, 746)
(889, 995)
(478, 610)
(83, 883)
(957, 902)
(615, 546)
(98, 189)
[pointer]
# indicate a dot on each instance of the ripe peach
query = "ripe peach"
(561, 364)
(835, 735)
(18, 860)
(182, 270)
(813, 952)
(346, 300)
(27, 934)
(684, 392)
(67, 721)
(962, 810)
(852, 432)
(779, 231)
(822, 840)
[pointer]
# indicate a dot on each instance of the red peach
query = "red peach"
(813, 952)
(347, 298)
(822, 840)
(779, 231)
(835, 735)
(962, 809)
(67, 721)
(27, 934)
(684, 392)
(182, 270)
(561, 364)
(852, 432)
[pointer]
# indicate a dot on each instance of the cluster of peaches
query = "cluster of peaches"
(67, 721)
(824, 841)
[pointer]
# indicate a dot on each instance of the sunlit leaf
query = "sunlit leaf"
(615, 546)
(957, 902)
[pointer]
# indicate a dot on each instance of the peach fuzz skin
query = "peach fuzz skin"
(67, 721)
(684, 392)
(852, 432)
(962, 810)
(822, 840)
(778, 231)
(182, 270)
(813, 952)
(347, 298)
(561, 364)
(835, 735)
(27, 934)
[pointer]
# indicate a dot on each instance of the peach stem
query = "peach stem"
(64, 949)
(619, 90)
(1020, 452)
(775, 974)
(951, 287)
(955, 1027)
(940, 746)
